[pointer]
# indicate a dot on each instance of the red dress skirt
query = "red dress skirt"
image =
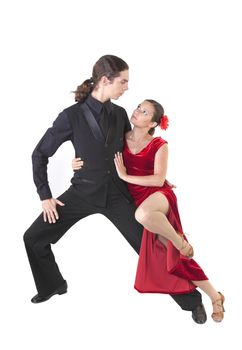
(160, 269)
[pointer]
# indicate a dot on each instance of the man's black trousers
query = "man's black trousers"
(39, 237)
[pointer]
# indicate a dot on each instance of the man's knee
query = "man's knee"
(27, 237)
(35, 230)
(31, 235)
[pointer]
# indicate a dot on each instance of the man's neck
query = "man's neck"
(100, 96)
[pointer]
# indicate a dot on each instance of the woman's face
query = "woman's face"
(118, 86)
(142, 115)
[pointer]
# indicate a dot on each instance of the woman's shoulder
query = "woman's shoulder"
(159, 141)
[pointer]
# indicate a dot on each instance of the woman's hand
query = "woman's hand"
(119, 164)
(170, 184)
(49, 209)
(77, 164)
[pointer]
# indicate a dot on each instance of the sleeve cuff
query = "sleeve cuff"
(45, 193)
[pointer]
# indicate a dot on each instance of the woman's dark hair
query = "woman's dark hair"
(109, 66)
(158, 114)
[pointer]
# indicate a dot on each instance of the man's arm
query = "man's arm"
(60, 132)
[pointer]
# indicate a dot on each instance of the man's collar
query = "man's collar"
(97, 105)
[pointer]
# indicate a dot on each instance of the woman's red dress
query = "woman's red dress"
(160, 269)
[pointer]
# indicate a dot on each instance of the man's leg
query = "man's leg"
(39, 237)
(188, 301)
(121, 213)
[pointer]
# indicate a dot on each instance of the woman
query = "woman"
(165, 261)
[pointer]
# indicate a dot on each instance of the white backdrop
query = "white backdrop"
(187, 55)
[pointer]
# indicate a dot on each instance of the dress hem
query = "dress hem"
(163, 292)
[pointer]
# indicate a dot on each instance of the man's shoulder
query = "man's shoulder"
(72, 109)
(118, 108)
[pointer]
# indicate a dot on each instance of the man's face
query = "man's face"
(119, 85)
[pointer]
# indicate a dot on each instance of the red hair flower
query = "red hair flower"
(164, 122)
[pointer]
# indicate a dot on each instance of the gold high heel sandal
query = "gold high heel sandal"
(186, 248)
(218, 316)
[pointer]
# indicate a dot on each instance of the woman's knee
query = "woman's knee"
(141, 215)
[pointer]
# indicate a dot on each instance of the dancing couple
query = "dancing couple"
(120, 173)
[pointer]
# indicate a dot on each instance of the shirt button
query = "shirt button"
(106, 158)
(108, 171)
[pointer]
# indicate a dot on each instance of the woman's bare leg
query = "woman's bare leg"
(207, 288)
(152, 215)
(163, 240)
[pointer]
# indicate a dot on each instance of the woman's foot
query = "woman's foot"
(186, 248)
(218, 308)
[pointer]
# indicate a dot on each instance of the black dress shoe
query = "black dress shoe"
(199, 314)
(61, 290)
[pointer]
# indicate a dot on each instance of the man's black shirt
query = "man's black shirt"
(63, 130)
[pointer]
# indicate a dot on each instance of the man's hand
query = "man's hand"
(49, 209)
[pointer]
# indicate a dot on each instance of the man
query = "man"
(96, 127)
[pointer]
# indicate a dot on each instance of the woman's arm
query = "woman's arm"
(160, 169)
(77, 163)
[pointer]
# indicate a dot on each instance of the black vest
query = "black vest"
(92, 181)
